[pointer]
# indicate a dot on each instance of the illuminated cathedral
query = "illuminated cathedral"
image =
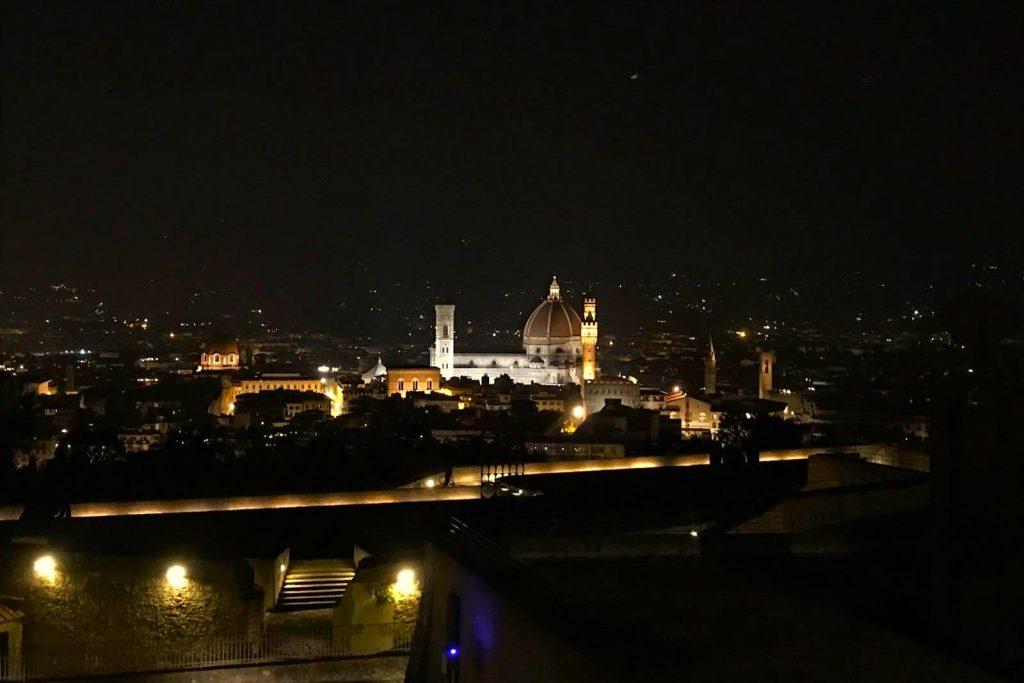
(559, 347)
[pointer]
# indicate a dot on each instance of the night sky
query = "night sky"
(301, 150)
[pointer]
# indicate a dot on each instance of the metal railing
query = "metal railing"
(38, 661)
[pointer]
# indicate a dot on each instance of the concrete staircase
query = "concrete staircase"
(314, 584)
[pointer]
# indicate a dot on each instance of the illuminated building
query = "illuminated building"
(710, 369)
(694, 414)
(597, 391)
(558, 347)
(36, 451)
(233, 388)
(140, 440)
(378, 371)
(277, 407)
(220, 355)
(549, 401)
(415, 378)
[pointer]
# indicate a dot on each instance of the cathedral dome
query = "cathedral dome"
(220, 354)
(221, 345)
(553, 320)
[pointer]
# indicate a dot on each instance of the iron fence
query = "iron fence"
(38, 661)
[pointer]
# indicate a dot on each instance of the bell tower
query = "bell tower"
(588, 334)
(710, 369)
(442, 355)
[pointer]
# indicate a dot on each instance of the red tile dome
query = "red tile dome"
(552, 320)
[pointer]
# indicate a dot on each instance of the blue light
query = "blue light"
(453, 652)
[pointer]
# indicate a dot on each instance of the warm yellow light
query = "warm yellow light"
(405, 583)
(741, 334)
(283, 566)
(231, 407)
(176, 576)
(578, 412)
(46, 567)
(431, 483)
(676, 389)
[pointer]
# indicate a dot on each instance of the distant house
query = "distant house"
(616, 422)
(415, 378)
(277, 406)
(598, 391)
(140, 440)
(694, 413)
(37, 451)
(441, 402)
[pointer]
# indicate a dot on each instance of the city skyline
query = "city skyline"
(490, 341)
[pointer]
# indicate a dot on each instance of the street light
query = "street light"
(45, 567)
(405, 583)
(176, 576)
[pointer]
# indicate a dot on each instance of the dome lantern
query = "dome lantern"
(554, 292)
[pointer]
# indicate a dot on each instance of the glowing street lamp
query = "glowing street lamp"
(46, 568)
(176, 576)
(405, 583)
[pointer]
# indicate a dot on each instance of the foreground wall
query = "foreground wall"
(500, 643)
(114, 609)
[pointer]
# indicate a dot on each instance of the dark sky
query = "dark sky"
(170, 147)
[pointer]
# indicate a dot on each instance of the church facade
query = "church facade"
(559, 347)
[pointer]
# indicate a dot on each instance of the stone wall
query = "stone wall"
(114, 608)
(370, 601)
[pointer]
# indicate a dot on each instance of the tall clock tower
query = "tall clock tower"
(588, 334)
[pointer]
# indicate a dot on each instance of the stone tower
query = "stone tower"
(710, 369)
(764, 383)
(442, 356)
(588, 334)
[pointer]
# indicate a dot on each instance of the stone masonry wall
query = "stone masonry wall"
(112, 608)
